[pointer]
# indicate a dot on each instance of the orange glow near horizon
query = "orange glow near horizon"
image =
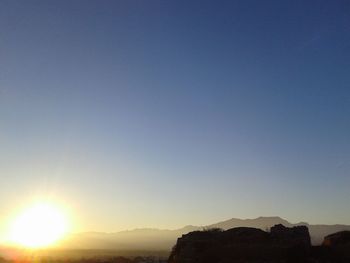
(38, 226)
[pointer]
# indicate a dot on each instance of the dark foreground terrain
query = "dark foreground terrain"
(118, 259)
(251, 245)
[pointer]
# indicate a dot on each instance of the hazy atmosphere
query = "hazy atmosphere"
(161, 114)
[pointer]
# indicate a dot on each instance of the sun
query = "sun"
(40, 225)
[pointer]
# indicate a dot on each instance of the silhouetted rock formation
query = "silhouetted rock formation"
(337, 239)
(251, 245)
(243, 244)
(291, 236)
(337, 246)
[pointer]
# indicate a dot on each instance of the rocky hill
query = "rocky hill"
(242, 243)
(252, 245)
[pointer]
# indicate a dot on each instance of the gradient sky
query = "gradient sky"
(168, 113)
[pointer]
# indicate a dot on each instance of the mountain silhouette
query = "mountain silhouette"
(160, 239)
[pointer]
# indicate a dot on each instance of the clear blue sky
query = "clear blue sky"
(167, 113)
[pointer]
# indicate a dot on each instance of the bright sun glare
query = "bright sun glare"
(39, 226)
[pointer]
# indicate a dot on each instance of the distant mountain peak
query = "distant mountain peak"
(271, 218)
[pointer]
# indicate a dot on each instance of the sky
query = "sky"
(167, 113)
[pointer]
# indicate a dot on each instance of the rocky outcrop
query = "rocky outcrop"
(242, 244)
(337, 239)
(291, 236)
(337, 246)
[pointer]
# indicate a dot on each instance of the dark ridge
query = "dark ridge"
(251, 245)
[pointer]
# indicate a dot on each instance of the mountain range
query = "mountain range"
(158, 239)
